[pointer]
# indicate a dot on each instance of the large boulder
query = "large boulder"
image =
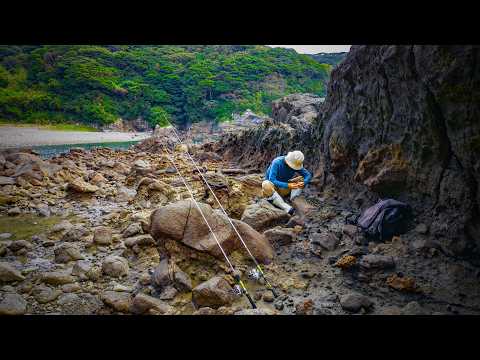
(213, 293)
(183, 222)
(263, 215)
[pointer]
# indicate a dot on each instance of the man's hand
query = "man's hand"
(297, 185)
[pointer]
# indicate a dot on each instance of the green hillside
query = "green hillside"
(96, 85)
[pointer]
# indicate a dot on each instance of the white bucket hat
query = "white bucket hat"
(294, 159)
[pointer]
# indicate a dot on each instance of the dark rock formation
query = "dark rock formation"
(398, 121)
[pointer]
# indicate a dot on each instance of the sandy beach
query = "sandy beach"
(11, 136)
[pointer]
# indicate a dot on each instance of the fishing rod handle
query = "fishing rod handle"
(252, 303)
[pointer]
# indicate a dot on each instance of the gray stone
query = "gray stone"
(132, 229)
(20, 244)
(67, 252)
(13, 304)
(353, 302)
(81, 268)
(414, 308)
(115, 266)
(421, 229)
(102, 235)
(79, 304)
(8, 273)
(57, 278)
(328, 241)
(44, 294)
(280, 236)
(75, 233)
(140, 240)
(263, 215)
(374, 261)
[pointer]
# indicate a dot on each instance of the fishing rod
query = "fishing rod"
(236, 275)
(254, 273)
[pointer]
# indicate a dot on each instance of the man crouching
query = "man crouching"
(280, 180)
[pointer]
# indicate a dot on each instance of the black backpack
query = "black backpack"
(384, 220)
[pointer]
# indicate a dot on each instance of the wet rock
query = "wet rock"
(374, 261)
(280, 236)
(13, 304)
(5, 236)
(142, 304)
(263, 215)
(125, 194)
(390, 310)
(421, 228)
(255, 312)
(44, 294)
(140, 240)
(329, 241)
(14, 211)
(64, 225)
(80, 186)
(168, 293)
(81, 268)
(353, 302)
(67, 252)
(20, 244)
(102, 235)
(79, 304)
(115, 266)
(119, 301)
(213, 293)
(183, 222)
(132, 229)
(75, 233)
(414, 308)
(7, 180)
(350, 230)
(57, 278)
(8, 273)
(69, 288)
(304, 307)
(205, 311)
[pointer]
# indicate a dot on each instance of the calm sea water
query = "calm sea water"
(49, 151)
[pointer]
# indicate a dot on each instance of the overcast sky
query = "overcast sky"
(315, 49)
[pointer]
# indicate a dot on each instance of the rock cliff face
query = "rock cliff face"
(398, 121)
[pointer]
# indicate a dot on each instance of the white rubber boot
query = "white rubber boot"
(277, 200)
(294, 193)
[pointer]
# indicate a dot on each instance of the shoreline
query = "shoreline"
(14, 137)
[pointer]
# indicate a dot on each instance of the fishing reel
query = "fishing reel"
(254, 275)
(237, 290)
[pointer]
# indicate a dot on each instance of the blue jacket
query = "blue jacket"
(279, 173)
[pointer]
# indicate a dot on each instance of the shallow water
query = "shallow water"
(49, 151)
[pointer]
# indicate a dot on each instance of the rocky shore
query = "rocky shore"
(114, 232)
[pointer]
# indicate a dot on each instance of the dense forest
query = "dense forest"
(97, 85)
